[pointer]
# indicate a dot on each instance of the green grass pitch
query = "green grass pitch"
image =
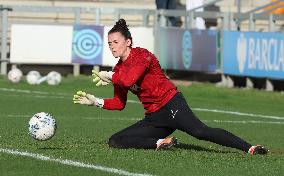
(83, 131)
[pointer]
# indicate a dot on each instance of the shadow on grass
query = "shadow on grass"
(199, 148)
(177, 146)
(277, 151)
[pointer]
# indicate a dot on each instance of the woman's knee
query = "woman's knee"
(201, 133)
(111, 141)
(114, 141)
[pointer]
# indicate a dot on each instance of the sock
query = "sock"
(159, 141)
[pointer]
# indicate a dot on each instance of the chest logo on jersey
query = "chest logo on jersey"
(135, 88)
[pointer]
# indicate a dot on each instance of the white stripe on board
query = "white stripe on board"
(71, 163)
(65, 95)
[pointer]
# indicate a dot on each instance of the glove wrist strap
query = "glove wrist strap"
(99, 102)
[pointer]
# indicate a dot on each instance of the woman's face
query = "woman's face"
(118, 45)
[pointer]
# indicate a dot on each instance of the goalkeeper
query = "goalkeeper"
(166, 110)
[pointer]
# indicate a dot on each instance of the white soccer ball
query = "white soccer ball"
(42, 126)
(53, 78)
(33, 77)
(15, 75)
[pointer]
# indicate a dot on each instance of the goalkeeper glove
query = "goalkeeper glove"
(87, 99)
(102, 78)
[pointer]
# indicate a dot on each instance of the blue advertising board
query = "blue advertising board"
(192, 50)
(87, 44)
(255, 54)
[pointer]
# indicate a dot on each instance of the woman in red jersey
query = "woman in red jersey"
(166, 110)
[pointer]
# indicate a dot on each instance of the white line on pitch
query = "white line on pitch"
(238, 113)
(136, 119)
(31, 91)
(244, 121)
(65, 95)
(113, 118)
(215, 121)
(70, 162)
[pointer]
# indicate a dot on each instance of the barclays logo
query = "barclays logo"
(241, 52)
(187, 49)
(260, 53)
(257, 54)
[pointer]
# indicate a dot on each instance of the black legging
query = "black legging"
(176, 114)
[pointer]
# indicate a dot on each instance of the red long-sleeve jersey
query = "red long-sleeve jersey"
(140, 73)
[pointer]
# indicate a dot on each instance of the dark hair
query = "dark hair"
(120, 26)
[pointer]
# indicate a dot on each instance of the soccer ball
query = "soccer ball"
(15, 75)
(33, 77)
(53, 78)
(42, 126)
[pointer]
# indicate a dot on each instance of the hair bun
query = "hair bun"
(121, 22)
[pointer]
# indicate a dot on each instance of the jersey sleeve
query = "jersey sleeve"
(118, 102)
(137, 68)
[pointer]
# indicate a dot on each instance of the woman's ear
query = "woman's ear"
(128, 42)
